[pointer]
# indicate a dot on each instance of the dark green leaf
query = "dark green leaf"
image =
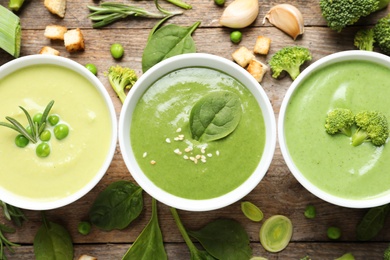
(149, 244)
(117, 206)
(224, 239)
(166, 42)
(372, 222)
(53, 241)
(215, 116)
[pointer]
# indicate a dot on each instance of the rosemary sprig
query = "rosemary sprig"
(36, 127)
(13, 213)
(4, 242)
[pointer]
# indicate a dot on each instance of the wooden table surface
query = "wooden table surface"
(278, 192)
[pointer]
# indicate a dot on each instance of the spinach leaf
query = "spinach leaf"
(215, 116)
(372, 222)
(224, 239)
(149, 244)
(166, 42)
(52, 241)
(196, 254)
(117, 206)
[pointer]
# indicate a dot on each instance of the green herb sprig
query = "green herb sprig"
(4, 242)
(13, 213)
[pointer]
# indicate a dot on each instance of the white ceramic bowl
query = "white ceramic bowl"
(34, 60)
(191, 60)
(317, 66)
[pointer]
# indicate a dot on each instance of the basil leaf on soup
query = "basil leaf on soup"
(117, 206)
(215, 116)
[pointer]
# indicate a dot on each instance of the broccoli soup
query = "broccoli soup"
(330, 162)
(163, 140)
(71, 157)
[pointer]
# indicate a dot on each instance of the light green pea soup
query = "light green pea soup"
(73, 161)
(330, 162)
(163, 146)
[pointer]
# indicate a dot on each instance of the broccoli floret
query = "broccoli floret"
(341, 13)
(339, 120)
(386, 254)
(364, 40)
(289, 59)
(382, 34)
(371, 126)
(121, 78)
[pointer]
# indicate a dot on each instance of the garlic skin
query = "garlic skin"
(240, 13)
(287, 18)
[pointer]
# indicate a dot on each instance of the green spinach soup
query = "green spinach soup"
(162, 142)
(330, 162)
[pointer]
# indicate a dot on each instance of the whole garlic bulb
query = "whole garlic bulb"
(240, 13)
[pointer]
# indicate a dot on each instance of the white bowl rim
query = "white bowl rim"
(200, 60)
(38, 59)
(325, 61)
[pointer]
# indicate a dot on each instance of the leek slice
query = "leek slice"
(276, 233)
(10, 32)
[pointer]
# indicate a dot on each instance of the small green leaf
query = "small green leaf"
(251, 211)
(372, 222)
(215, 116)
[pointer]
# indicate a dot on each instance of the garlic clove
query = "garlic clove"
(240, 13)
(287, 18)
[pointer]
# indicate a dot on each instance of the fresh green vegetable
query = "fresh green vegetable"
(236, 36)
(372, 222)
(10, 32)
(333, 233)
(219, 2)
(180, 4)
(341, 13)
(110, 12)
(386, 254)
(347, 256)
(53, 120)
(364, 39)
(251, 211)
(289, 59)
(149, 244)
(310, 211)
(196, 254)
(382, 34)
(45, 135)
(371, 126)
(215, 116)
(84, 227)
(4, 242)
(121, 79)
(224, 239)
(117, 50)
(166, 42)
(276, 233)
(116, 206)
(15, 5)
(92, 68)
(61, 131)
(339, 120)
(43, 150)
(21, 141)
(13, 213)
(52, 241)
(37, 118)
(258, 258)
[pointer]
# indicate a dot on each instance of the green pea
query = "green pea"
(61, 131)
(310, 211)
(53, 120)
(43, 150)
(117, 50)
(21, 141)
(37, 118)
(45, 135)
(236, 36)
(28, 129)
(84, 227)
(334, 232)
(92, 68)
(219, 2)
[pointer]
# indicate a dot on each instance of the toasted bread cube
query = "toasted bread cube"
(257, 69)
(49, 50)
(56, 7)
(243, 56)
(74, 40)
(55, 32)
(262, 45)
(87, 257)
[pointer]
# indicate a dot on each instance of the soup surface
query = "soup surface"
(162, 143)
(329, 161)
(73, 161)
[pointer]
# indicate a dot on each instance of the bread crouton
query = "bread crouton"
(243, 56)
(56, 7)
(74, 40)
(257, 69)
(49, 50)
(55, 32)
(262, 45)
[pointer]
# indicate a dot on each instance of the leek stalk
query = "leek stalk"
(10, 32)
